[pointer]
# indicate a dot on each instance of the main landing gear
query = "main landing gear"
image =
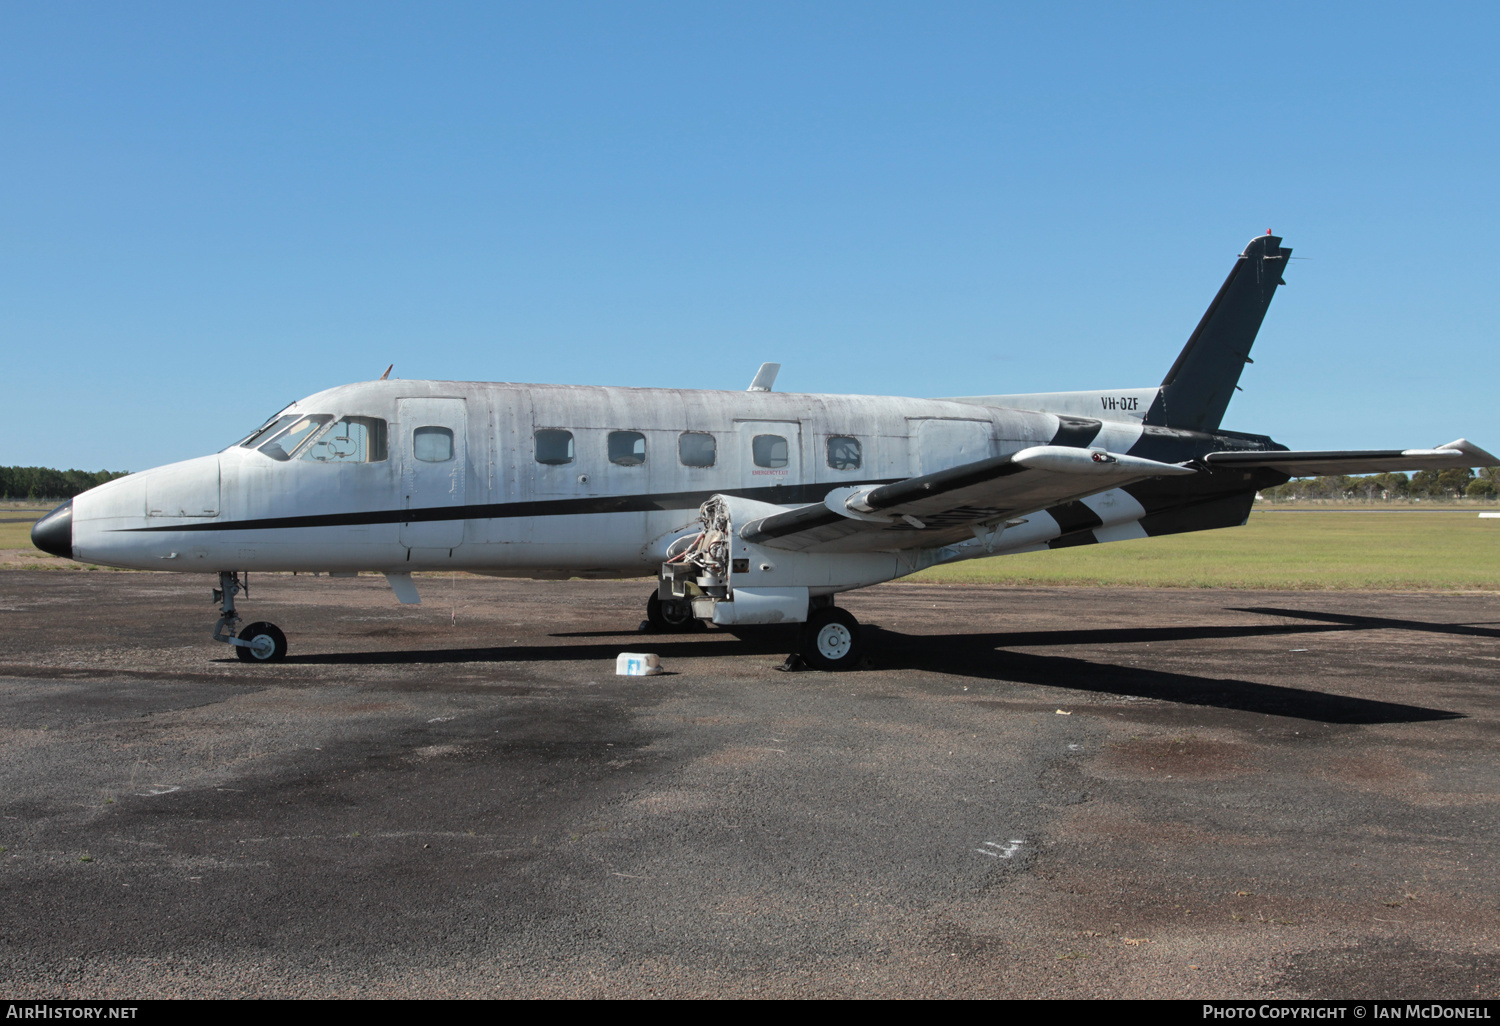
(673, 616)
(258, 643)
(831, 640)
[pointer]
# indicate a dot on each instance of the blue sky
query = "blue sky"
(210, 210)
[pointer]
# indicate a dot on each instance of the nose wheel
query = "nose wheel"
(260, 642)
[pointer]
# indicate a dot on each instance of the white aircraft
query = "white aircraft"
(749, 507)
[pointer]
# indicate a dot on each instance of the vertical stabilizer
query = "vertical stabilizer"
(1197, 389)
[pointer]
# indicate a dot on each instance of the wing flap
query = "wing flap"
(1317, 463)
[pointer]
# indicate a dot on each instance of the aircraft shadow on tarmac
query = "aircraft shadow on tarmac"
(988, 656)
(1379, 622)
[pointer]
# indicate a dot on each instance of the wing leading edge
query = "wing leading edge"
(948, 505)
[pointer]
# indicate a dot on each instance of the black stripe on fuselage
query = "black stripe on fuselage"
(1076, 521)
(1077, 432)
(1074, 516)
(780, 495)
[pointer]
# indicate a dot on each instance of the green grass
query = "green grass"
(1398, 551)
(17, 536)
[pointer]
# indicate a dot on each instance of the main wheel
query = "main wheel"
(831, 639)
(267, 644)
(670, 617)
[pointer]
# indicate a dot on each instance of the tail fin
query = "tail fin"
(1197, 389)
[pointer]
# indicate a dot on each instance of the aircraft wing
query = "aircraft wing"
(947, 506)
(1461, 453)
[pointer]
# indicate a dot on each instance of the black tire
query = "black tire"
(831, 640)
(262, 653)
(671, 617)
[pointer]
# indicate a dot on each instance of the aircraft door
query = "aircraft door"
(434, 459)
(770, 455)
(940, 443)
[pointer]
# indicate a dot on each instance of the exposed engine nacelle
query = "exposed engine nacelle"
(731, 581)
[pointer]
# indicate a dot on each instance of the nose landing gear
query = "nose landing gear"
(258, 643)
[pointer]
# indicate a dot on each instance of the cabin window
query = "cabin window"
(843, 453)
(432, 444)
(351, 440)
(553, 447)
(696, 449)
(769, 451)
(284, 444)
(627, 448)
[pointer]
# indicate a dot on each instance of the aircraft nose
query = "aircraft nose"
(54, 532)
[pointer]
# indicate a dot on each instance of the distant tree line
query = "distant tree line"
(1458, 482)
(46, 483)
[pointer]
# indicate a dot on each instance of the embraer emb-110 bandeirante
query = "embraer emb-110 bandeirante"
(752, 507)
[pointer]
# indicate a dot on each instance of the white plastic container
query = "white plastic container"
(637, 664)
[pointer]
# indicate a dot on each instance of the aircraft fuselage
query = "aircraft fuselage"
(555, 480)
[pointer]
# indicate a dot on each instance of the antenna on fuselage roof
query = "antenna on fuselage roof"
(387, 372)
(764, 378)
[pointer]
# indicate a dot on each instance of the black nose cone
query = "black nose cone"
(54, 532)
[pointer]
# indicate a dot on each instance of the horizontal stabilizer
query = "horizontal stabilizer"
(1317, 463)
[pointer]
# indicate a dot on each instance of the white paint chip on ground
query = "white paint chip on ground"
(1005, 850)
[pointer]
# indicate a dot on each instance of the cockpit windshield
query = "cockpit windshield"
(265, 431)
(293, 431)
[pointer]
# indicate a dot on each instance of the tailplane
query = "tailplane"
(1197, 390)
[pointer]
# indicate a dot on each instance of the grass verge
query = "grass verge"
(1322, 550)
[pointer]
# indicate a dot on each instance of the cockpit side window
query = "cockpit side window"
(283, 445)
(351, 440)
